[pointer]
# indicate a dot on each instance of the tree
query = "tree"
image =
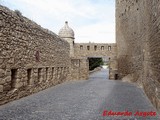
(95, 62)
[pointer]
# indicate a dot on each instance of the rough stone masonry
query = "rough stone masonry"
(138, 44)
(107, 51)
(31, 58)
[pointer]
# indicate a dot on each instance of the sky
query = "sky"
(92, 20)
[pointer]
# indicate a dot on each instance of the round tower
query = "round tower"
(68, 34)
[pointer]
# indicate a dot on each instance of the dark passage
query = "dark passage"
(95, 62)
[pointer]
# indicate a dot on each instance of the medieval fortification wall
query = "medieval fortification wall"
(138, 44)
(31, 58)
(94, 49)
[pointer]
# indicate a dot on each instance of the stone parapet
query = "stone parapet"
(31, 58)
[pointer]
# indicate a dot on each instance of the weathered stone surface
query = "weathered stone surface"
(2, 81)
(1, 88)
(81, 51)
(24, 48)
(1, 60)
(33, 58)
(94, 50)
(2, 73)
(138, 44)
(7, 79)
(107, 51)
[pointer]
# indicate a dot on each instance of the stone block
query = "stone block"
(2, 81)
(2, 73)
(7, 79)
(1, 88)
(18, 85)
(7, 87)
(1, 60)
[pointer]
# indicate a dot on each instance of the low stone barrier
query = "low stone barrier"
(95, 70)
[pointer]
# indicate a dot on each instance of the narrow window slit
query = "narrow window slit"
(29, 73)
(13, 78)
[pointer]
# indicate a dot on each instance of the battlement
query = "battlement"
(94, 49)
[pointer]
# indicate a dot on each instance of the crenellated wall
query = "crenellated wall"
(138, 44)
(107, 51)
(94, 49)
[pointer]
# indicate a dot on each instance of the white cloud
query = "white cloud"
(96, 33)
(91, 21)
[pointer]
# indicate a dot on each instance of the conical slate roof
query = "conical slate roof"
(66, 31)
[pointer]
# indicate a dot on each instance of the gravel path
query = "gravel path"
(82, 100)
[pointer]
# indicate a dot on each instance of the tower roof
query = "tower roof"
(66, 31)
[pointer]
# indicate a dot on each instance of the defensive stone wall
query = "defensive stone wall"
(79, 69)
(94, 49)
(138, 45)
(104, 50)
(31, 58)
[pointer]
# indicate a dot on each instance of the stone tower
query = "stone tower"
(68, 34)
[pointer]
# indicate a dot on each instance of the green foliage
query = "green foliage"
(95, 62)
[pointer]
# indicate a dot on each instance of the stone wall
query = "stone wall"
(94, 49)
(107, 51)
(31, 57)
(131, 32)
(113, 71)
(138, 45)
(79, 69)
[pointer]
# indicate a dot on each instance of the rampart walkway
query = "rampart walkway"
(81, 100)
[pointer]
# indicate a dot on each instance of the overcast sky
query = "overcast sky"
(91, 20)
